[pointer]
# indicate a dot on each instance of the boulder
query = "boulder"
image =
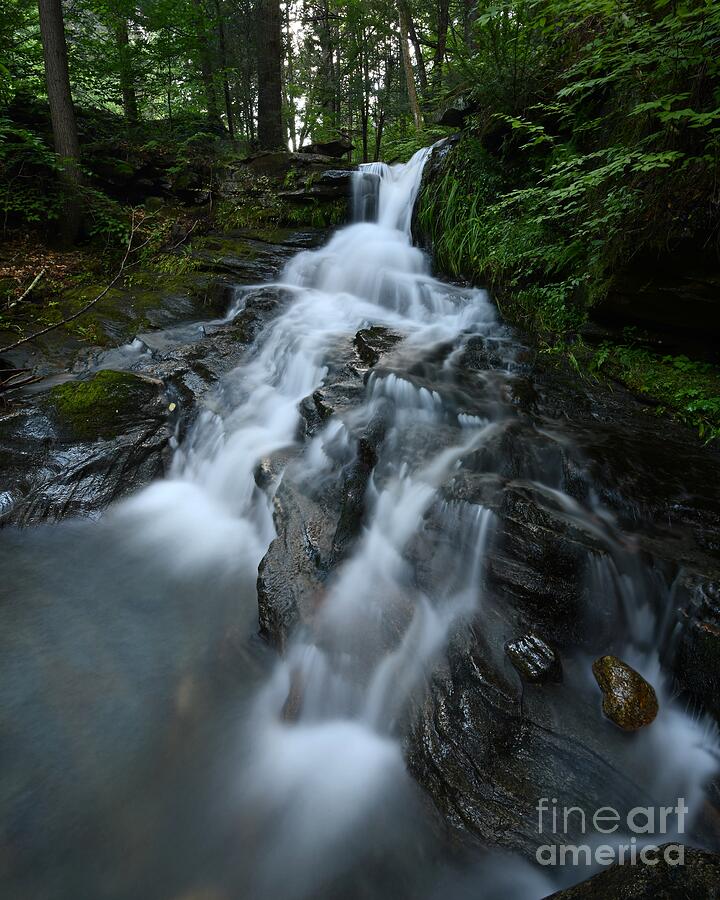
(628, 700)
(371, 343)
(698, 877)
(102, 406)
(335, 149)
(454, 116)
(534, 660)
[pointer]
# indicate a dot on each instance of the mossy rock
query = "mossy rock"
(104, 406)
(628, 700)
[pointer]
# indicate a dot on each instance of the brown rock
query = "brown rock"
(628, 700)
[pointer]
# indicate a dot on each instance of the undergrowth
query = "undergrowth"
(688, 389)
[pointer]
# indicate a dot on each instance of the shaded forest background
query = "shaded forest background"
(580, 184)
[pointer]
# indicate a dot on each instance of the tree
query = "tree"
(407, 65)
(62, 112)
(127, 81)
(271, 132)
(207, 64)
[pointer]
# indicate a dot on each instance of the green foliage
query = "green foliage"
(688, 389)
(597, 135)
(404, 141)
(29, 186)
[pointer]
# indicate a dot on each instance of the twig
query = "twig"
(184, 237)
(10, 383)
(32, 285)
(123, 268)
(80, 312)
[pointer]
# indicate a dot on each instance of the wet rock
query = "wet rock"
(628, 700)
(371, 343)
(698, 876)
(74, 451)
(104, 405)
(315, 412)
(697, 661)
(534, 660)
(291, 575)
(333, 184)
(485, 757)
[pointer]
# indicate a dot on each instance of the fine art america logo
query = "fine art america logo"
(634, 834)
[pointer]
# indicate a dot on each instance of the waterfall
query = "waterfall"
(314, 781)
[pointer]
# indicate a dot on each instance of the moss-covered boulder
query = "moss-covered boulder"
(103, 406)
(628, 700)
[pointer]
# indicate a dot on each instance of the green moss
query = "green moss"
(688, 390)
(548, 254)
(102, 406)
(317, 215)
(270, 212)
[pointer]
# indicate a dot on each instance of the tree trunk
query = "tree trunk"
(443, 21)
(407, 64)
(62, 112)
(382, 104)
(207, 68)
(222, 46)
(417, 47)
(470, 12)
(327, 65)
(365, 106)
(271, 133)
(290, 78)
(168, 94)
(127, 82)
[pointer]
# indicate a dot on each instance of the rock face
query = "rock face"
(483, 748)
(102, 406)
(698, 877)
(671, 296)
(289, 187)
(71, 449)
(628, 700)
(697, 664)
(534, 660)
(335, 149)
(329, 185)
(315, 529)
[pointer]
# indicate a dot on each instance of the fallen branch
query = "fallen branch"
(32, 285)
(124, 266)
(11, 383)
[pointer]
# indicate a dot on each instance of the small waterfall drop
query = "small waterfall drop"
(315, 792)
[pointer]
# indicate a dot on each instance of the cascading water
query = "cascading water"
(315, 799)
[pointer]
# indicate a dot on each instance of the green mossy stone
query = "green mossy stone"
(628, 700)
(103, 406)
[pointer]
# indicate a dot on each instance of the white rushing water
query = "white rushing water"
(322, 778)
(320, 786)
(316, 783)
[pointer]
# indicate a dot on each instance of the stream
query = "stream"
(376, 476)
